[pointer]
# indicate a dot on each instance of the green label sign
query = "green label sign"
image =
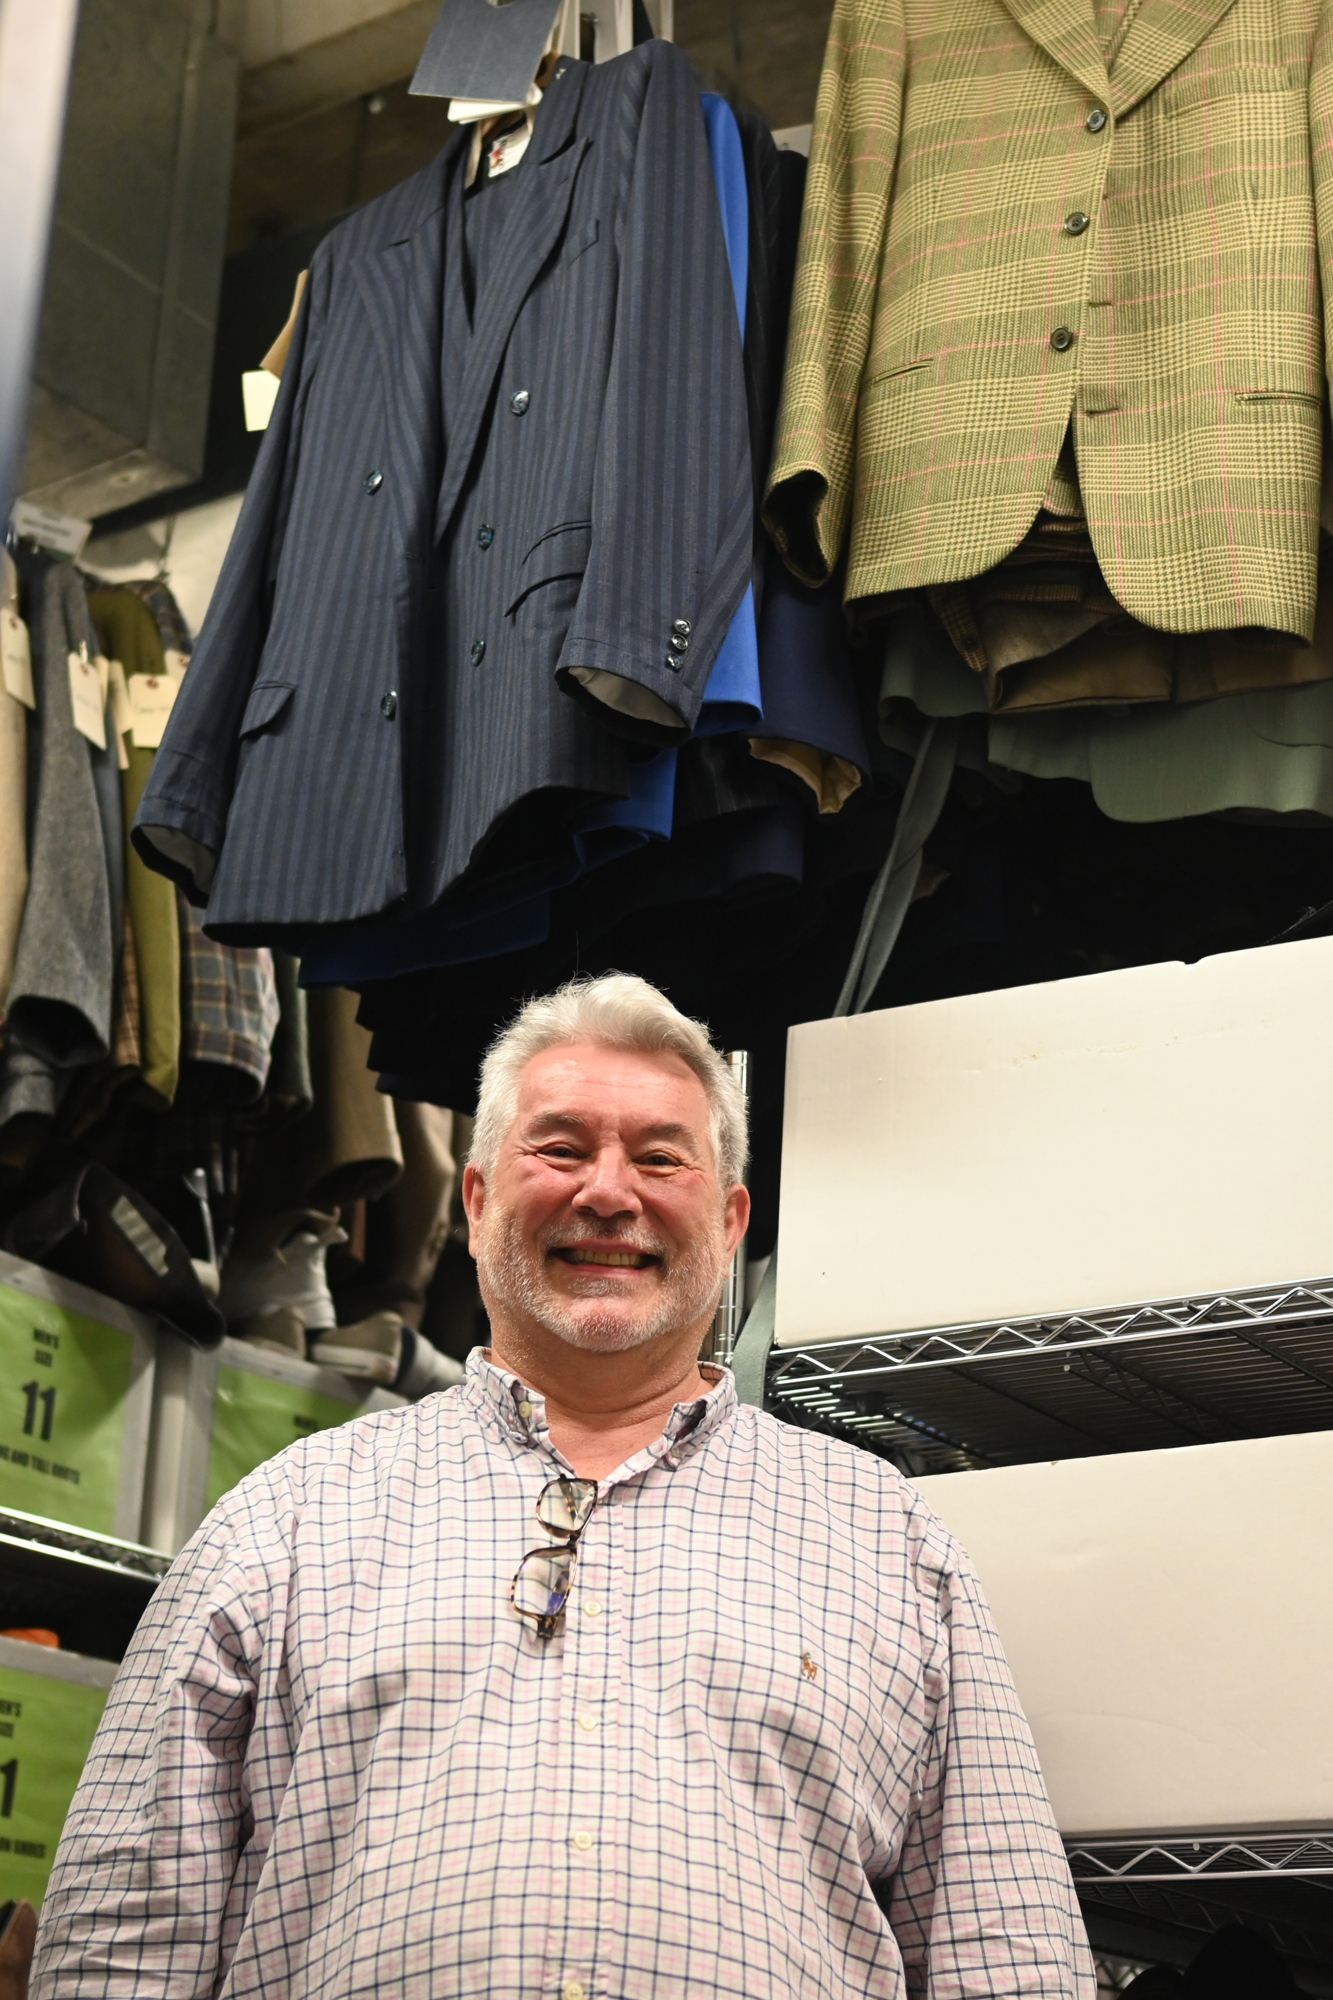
(254, 1416)
(46, 1732)
(63, 1381)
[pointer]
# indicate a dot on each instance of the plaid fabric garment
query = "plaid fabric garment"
(167, 614)
(335, 1763)
(229, 1005)
(980, 266)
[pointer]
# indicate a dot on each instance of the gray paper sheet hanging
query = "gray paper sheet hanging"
(477, 49)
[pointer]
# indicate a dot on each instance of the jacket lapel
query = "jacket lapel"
(401, 287)
(530, 235)
(1160, 36)
(1065, 29)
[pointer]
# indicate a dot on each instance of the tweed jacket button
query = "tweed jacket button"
(389, 705)
(1062, 337)
(683, 626)
(374, 481)
(519, 401)
(485, 535)
(1096, 119)
(1075, 224)
(478, 652)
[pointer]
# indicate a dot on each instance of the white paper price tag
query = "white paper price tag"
(17, 658)
(122, 720)
(151, 697)
(50, 529)
(85, 696)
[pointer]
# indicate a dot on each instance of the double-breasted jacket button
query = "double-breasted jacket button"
(478, 652)
(374, 481)
(485, 535)
(389, 705)
(672, 662)
(1062, 337)
(1096, 119)
(683, 626)
(1076, 223)
(519, 401)
(678, 642)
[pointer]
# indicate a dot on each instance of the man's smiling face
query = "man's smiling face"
(603, 1220)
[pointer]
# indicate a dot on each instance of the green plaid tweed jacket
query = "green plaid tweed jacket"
(985, 182)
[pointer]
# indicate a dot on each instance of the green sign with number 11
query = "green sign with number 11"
(46, 1732)
(63, 1381)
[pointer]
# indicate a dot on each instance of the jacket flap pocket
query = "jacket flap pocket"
(561, 551)
(267, 701)
(580, 240)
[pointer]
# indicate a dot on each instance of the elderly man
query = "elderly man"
(578, 1680)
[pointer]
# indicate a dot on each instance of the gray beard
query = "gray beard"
(512, 1273)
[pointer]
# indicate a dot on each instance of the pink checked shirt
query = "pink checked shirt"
(773, 1750)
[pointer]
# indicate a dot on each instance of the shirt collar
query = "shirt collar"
(504, 1402)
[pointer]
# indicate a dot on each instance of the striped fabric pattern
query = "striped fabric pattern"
(953, 314)
(773, 1748)
(445, 519)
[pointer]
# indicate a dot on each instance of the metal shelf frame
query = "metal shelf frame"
(127, 1561)
(1250, 1857)
(1249, 1362)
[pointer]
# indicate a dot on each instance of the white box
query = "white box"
(1168, 1616)
(1137, 1135)
(217, 1416)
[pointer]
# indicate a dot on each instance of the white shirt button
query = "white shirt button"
(587, 1721)
(573, 1989)
(590, 1607)
(583, 1841)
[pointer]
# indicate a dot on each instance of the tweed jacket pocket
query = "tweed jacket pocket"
(1248, 80)
(267, 701)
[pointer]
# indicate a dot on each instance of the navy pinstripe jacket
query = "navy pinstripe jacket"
(448, 515)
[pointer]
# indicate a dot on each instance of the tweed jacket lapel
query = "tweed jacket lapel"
(529, 237)
(1160, 36)
(402, 289)
(1065, 29)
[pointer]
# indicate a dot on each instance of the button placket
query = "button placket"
(587, 1758)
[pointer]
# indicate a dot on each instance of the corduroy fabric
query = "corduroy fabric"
(440, 529)
(925, 403)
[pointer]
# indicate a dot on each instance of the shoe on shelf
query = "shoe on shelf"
(371, 1350)
(424, 1368)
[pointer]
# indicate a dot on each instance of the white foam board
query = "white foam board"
(1168, 1617)
(1090, 1142)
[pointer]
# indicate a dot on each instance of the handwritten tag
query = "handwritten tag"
(122, 720)
(17, 658)
(85, 697)
(151, 697)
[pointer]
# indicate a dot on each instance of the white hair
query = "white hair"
(616, 1011)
